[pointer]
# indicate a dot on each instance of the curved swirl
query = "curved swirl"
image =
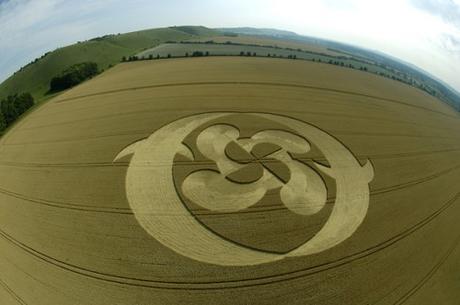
(152, 196)
(305, 193)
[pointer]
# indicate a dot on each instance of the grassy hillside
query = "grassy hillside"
(196, 30)
(106, 50)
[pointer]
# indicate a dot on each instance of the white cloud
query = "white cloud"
(34, 27)
(448, 10)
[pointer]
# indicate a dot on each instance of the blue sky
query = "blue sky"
(423, 32)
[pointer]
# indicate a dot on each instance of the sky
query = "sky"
(425, 33)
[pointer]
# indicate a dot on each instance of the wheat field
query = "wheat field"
(68, 234)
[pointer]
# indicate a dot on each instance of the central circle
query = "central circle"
(256, 160)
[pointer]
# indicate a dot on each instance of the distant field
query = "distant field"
(264, 41)
(256, 46)
(223, 49)
(180, 49)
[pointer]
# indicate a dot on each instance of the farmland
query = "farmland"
(70, 231)
(267, 41)
(265, 47)
(180, 49)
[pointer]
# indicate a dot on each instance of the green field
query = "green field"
(105, 51)
(269, 41)
(180, 50)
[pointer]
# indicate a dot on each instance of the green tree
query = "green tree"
(14, 106)
(2, 122)
(73, 76)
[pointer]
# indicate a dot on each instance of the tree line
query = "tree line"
(73, 76)
(151, 56)
(12, 107)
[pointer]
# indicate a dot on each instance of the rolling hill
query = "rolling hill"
(105, 51)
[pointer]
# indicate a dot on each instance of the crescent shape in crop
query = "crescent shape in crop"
(156, 205)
